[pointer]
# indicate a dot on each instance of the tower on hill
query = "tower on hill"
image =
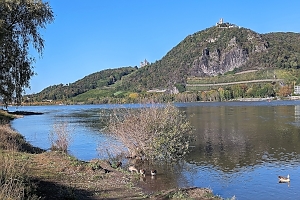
(220, 22)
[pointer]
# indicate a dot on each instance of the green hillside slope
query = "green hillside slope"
(100, 79)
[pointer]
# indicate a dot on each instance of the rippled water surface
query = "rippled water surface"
(240, 147)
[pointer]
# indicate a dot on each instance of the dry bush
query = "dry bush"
(14, 183)
(111, 149)
(60, 137)
(155, 132)
(8, 138)
(10, 180)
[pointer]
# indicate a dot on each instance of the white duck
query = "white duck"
(283, 179)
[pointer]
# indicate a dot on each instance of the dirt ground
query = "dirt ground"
(59, 176)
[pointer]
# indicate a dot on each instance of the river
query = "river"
(240, 148)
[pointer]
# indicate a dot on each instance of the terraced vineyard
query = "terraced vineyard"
(246, 77)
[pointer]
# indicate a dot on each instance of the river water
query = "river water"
(240, 148)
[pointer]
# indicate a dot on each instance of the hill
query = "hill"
(214, 52)
(100, 79)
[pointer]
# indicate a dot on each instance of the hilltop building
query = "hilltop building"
(144, 63)
(221, 24)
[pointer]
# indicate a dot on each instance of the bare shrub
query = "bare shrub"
(155, 132)
(60, 137)
(111, 149)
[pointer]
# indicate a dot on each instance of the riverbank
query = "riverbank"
(56, 175)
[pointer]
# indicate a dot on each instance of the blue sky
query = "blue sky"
(88, 36)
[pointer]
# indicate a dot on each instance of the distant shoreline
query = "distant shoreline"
(268, 99)
(290, 98)
(255, 99)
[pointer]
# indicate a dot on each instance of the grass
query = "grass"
(5, 117)
(15, 184)
(100, 93)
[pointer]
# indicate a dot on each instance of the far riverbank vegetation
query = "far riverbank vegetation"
(272, 84)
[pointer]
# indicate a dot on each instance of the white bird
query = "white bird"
(142, 172)
(132, 169)
(153, 172)
(283, 179)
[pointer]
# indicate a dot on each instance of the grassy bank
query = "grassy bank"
(27, 172)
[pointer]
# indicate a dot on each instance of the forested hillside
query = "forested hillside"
(284, 51)
(100, 79)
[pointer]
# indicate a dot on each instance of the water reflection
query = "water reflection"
(168, 176)
(297, 113)
(230, 138)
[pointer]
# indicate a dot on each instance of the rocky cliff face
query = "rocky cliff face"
(216, 61)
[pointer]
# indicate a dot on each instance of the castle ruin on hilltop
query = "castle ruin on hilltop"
(144, 63)
(221, 24)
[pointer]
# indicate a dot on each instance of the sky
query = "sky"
(89, 36)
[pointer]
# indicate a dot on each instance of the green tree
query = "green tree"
(268, 90)
(222, 94)
(20, 21)
(228, 93)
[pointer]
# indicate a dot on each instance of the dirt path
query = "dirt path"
(234, 83)
(60, 176)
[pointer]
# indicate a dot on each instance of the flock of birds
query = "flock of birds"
(281, 179)
(141, 171)
(131, 169)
